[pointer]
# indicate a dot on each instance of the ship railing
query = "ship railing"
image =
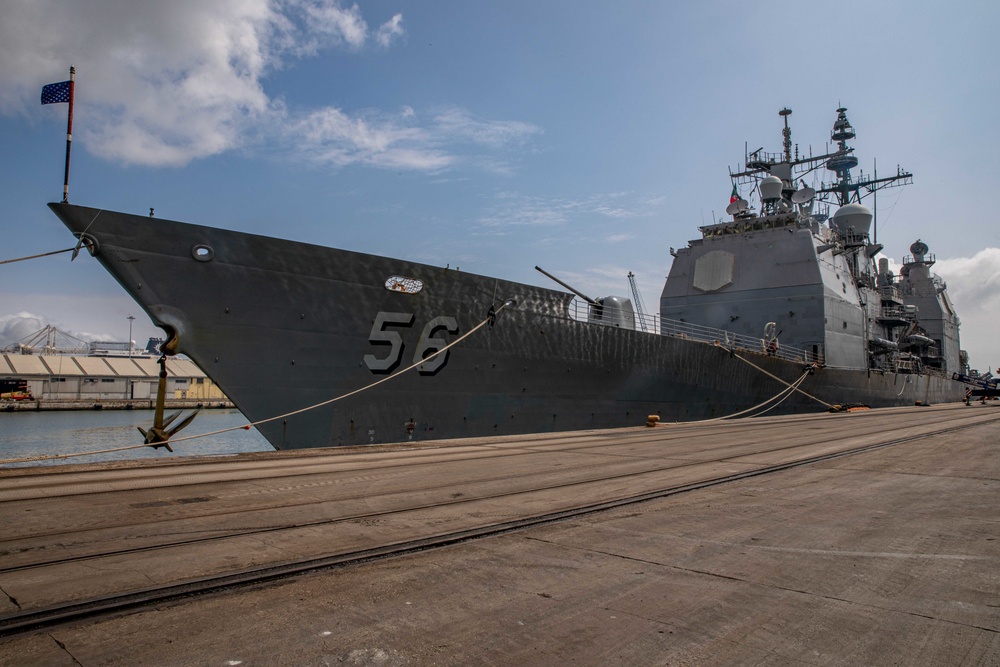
(890, 293)
(900, 313)
(730, 339)
(854, 239)
(656, 325)
(583, 311)
(928, 259)
(913, 365)
(647, 323)
(760, 158)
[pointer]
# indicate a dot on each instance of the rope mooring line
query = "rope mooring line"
(415, 364)
(775, 377)
(782, 395)
(55, 457)
(491, 317)
(75, 249)
(44, 254)
(787, 392)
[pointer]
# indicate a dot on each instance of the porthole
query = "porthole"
(202, 253)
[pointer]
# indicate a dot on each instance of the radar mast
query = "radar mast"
(791, 168)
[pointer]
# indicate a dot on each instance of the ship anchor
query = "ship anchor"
(158, 434)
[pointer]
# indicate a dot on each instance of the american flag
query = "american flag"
(55, 93)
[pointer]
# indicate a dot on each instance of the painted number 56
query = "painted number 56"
(427, 344)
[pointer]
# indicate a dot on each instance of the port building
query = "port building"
(105, 378)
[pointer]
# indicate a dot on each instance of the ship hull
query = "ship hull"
(282, 326)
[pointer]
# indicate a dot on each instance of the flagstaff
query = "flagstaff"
(69, 133)
(56, 93)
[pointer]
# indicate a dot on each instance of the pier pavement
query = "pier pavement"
(887, 555)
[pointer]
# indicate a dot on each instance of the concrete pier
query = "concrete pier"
(890, 556)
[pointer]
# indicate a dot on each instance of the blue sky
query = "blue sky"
(585, 137)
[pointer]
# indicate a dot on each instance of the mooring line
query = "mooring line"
(782, 395)
(44, 254)
(775, 377)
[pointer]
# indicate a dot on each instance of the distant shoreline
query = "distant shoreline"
(115, 404)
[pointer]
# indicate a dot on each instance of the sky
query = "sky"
(584, 137)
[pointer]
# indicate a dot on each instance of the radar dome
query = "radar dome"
(852, 215)
(919, 248)
(770, 188)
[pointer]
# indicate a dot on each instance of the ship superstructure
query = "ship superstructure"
(809, 278)
(933, 338)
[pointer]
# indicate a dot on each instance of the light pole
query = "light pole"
(130, 320)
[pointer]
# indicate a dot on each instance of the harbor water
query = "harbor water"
(29, 434)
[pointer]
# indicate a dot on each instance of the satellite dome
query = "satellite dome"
(853, 215)
(770, 188)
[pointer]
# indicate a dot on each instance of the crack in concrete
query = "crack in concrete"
(13, 600)
(63, 647)
(773, 586)
(818, 552)
(920, 474)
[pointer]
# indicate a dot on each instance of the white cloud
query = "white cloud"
(973, 280)
(162, 83)
(974, 288)
(462, 125)
(14, 328)
(389, 31)
(157, 83)
(332, 137)
(326, 21)
(513, 210)
(398, 141)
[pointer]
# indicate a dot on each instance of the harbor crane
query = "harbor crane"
(640, 307)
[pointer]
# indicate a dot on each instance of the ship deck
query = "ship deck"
(829, 539)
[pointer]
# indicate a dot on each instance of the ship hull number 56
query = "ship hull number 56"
(384, 333)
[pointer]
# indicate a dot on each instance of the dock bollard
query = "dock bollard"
(652, 420)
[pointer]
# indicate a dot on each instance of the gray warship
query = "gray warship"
(782, 308)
